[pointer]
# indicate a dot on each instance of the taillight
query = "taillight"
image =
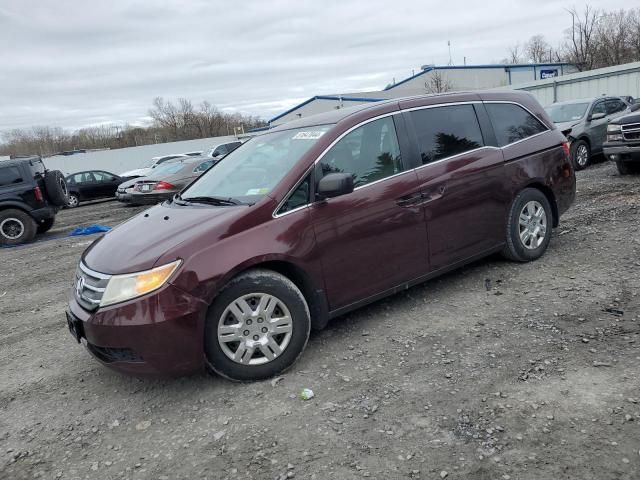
(38, 194)
(163, 186)
(567, 149)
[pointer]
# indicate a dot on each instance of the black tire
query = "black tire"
(515, 249)
(627, 168)
(577, 148)
(56, 187)
(16, 227)
(73, 200)
(258, 282)
(46, 225)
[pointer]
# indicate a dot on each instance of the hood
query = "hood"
(562, 126)
(138, 172)
(137, 244)
(630, 118)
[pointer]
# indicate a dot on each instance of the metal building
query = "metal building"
(467, 77)
(622, 80)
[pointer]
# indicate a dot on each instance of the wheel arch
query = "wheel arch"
(315, 296)
(14, 206)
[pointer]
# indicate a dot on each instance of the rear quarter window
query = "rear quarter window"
(513, 123)
(10, 176)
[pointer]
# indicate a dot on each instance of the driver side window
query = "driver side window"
(599, 108)
(370, 153)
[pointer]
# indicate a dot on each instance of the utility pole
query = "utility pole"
(450, 59)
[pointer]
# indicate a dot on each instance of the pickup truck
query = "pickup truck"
(623, 143)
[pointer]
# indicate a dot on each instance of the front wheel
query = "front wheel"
(257, 327)
(528, 227)
(580, 154)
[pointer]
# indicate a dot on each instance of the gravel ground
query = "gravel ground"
(496, 371)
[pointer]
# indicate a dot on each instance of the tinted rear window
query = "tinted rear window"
(446, 131)
(10, 176)
(512, 122)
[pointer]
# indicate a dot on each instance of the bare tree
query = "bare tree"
(582, 46)
(614, 38)
(437, 83)
(515, 54)
(537, 49)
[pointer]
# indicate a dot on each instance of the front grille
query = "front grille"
(89, 287)
(631, 131)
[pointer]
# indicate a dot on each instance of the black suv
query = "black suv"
(623, 143)
(30, 197)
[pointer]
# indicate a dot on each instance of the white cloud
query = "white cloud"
(74, 63)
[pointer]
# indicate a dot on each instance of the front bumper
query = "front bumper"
(621, 151)
(160, 333)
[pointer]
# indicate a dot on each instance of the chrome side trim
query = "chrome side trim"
(486, 147)
(439, 105)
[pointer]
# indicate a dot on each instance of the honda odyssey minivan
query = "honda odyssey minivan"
(315, 218)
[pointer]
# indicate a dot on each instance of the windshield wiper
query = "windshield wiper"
(213, 200)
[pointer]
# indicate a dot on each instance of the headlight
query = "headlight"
(614, 133)
(132, 285)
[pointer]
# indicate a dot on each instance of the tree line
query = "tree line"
(595, 39)
(170, 122)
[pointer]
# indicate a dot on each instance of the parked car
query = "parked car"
(167, 181)
(30, 197)
(125, 189)
(623, 143)
(315, 218)
(222, 149)
(584, 123)
(150, 165)
(91, 185)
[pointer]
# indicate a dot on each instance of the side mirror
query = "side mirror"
(634, 106)
(598, 116)
(334, 185)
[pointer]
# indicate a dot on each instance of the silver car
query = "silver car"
(584, 123)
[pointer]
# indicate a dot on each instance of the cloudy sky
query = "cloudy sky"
(74, 63)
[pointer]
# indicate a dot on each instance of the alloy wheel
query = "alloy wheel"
(532, 225)
(73, 201)
(255, 329)
(582, 155)
(11, 228)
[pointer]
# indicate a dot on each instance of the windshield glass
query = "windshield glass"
(251, 171)
(148, 163)
(567, 112)
(165, 170)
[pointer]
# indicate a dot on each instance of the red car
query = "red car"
(313, 219)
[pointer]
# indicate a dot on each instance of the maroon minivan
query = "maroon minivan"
(315, 218)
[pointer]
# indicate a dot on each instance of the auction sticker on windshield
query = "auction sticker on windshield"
(313, 135)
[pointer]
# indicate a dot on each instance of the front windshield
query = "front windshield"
(251, 171)
(148, 163)
(567, 112)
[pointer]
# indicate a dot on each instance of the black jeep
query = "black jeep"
(30, 197)
(623, 143)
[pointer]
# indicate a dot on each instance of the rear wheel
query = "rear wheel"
(580, 154)
(529, 226)
(257, 327)
(46, 225)
(16, 227)
(73, 201)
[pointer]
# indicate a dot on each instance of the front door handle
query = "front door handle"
(410, 200)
